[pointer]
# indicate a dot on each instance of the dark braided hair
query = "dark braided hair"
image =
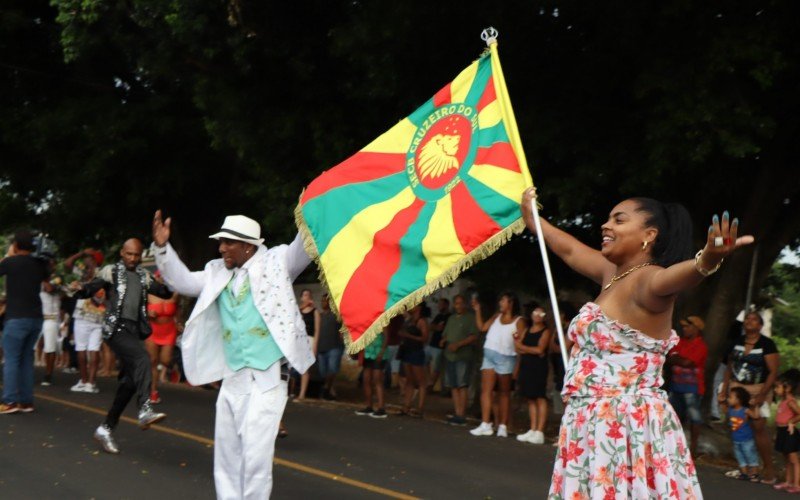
(674, 241)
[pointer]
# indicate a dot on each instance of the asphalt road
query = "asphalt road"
(330, 453)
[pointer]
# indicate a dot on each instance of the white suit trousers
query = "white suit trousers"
(244, 438)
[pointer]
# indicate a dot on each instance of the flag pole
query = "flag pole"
(550, 285)
(489, 35)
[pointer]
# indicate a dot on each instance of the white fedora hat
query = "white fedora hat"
(240, 228)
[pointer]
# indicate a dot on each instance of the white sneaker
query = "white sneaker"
(526, 438)
(79, 387)
(502, 432)
(91, 388)
(485, 429)
(537, 438)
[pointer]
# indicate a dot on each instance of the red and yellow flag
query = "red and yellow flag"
(423, 202)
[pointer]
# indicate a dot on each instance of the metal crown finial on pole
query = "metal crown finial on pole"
(489, 35)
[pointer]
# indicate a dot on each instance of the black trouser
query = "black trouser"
(135, 376)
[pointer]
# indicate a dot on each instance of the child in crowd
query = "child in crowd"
(787, 438)
(744, 444)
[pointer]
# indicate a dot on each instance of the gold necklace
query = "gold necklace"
(616, 278)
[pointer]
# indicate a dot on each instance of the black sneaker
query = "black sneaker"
(379, 413)
(456, 420)
(364, 411)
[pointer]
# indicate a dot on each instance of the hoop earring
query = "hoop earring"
(644, 245)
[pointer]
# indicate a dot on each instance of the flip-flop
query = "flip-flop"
(766, 481)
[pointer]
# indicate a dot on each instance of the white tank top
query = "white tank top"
(500, 337)
(51, 304)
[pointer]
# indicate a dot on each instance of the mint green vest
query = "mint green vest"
(246, 339)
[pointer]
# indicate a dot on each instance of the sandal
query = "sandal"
(782, 486)
(747, 477)
(792, 489)
(733, 474)
(767, 481)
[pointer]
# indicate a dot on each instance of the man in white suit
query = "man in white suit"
(244, 325)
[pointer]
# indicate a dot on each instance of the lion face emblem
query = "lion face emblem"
(438, 156)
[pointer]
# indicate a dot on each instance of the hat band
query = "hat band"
(237, 234)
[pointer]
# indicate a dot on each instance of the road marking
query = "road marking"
(210, 442)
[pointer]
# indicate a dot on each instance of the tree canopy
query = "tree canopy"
(112, 109)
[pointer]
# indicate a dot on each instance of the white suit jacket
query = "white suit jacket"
(271, 272)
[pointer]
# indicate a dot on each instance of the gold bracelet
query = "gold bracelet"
(705, 272)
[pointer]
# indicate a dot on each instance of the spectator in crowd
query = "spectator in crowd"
(687, 363)
(51, 313)
(161, 343)
(311, 318)
(2, 321)
(372, 376)
(127, 285)
(787, 438)
(84, 264)
(392, 375)
(531, 348)
(413, 336)
(88, 336)
(458, 338)
(433, 351)
(744, 448)
(566, 313)
(23, 321)
(499, 360)
(753, 365)
(63, 359)
(330, 348)
(734, 332)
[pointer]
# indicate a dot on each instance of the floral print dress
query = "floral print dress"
(619, 437)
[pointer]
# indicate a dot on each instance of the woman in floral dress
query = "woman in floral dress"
(619, 436)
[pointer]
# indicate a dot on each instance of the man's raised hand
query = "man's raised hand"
(161, 229)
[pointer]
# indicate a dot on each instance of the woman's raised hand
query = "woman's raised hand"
(723, 239)
(528, 196)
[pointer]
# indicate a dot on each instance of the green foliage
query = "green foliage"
(204, 108)
(782, 292)
(790, 352)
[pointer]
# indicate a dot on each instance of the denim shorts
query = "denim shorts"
(329, 362)
(500, 363)
(456, 374)
(433, 356)
(687, 405)
(745, 453)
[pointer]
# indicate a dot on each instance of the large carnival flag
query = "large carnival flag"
(435, 194)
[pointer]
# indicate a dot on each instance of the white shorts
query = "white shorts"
(88, 335)
(50, 335)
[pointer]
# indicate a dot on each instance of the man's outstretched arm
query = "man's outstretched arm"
(297, 260)
(174, 271)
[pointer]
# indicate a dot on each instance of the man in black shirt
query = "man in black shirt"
(126, 325)
(23, 322)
